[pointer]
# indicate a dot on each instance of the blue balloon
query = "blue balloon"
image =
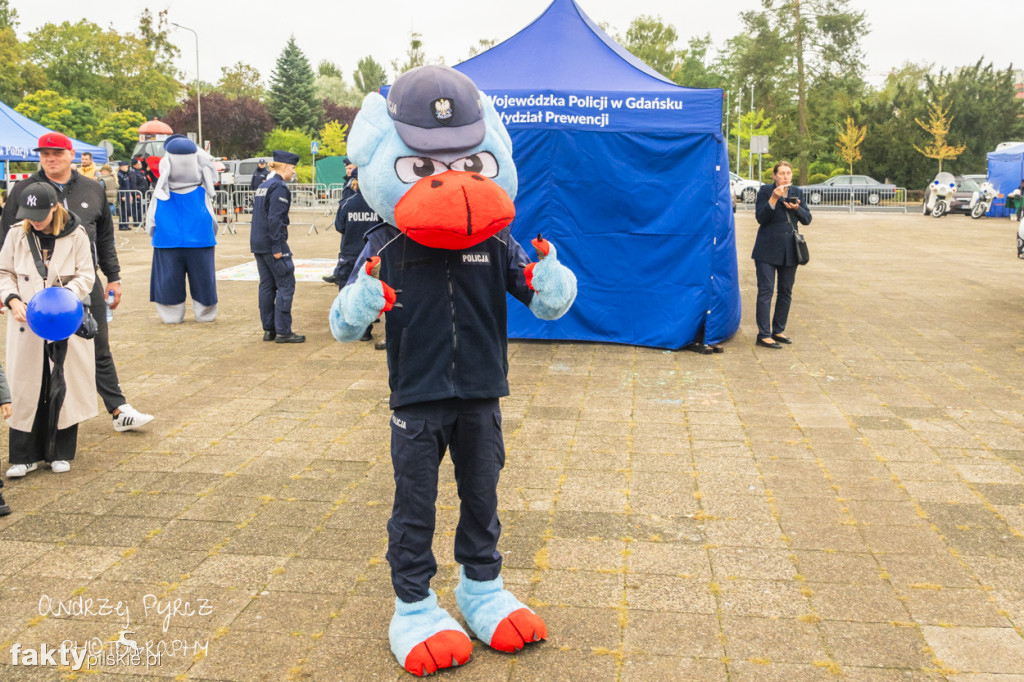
(55, 313)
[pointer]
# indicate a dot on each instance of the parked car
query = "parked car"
(743, 189)
(243, 169)
(844, 188)
(966, 186)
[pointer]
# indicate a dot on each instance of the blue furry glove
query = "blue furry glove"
(360, 303)
(553, 284)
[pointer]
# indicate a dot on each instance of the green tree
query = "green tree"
(240, 80)
(328, 68)
(332, 139)
(889, 114)
(336, 90)
(235, 127)
(850, 139)
(414, 55)
(482, 45)
(154, 32)
(292, 97)
(85, 62)
(18, 75)
(70, 116)
(692, 68)
(8, 16)
(751, 123)
(938, 127)
(369, 76)
(790, 45)
(649, 39)
(122, 129)
(287, 139)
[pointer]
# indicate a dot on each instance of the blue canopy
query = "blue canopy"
(627, 174)
(1005, 171)
(20, 134)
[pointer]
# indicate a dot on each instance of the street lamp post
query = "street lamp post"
(199, 102)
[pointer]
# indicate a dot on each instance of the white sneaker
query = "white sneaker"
(19, 470)
(60, 466)
(129, 418)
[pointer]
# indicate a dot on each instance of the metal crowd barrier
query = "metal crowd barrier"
(853, 200)
(131, 208)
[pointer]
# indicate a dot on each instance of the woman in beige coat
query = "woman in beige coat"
(67, 261)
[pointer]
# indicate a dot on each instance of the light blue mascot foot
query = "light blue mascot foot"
(359, 304)
(553, 284)
(425, 639)
(497, 618)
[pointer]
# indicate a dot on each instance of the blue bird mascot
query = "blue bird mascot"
(183, 226)
(435, 163)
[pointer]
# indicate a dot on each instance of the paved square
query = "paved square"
(851, 505)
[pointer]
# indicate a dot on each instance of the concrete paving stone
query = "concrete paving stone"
(867, 602)
(662, 633)
(642, 667)
(851, 568)
(669, 558)
(544, 662)
(582, 629)
(587, 554)
(599, 501)
(1002, 493)
(365, 619)
(812, 534)
(288, 612)
(927, 569)
(779, 640)
(985, 677)
(267, 540)
(230, 657)
(235, 570)
(951, 606)
(949, 492)
(763, 598)
(979, 649)
(762, 533)
(153, 504)
(999, 572)
(804, 510)
(918, 539)
(876, 645)
(752, 564)
(589, 589)
(44, 527)
(768, 670)
(219, 460)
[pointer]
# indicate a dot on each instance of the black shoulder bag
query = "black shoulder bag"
(803, 254)
(89, 326)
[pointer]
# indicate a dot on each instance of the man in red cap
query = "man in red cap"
(87, 200)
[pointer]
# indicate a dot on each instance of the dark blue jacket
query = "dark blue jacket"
(346, 193)
(137, 180)
(450, 337)
(259, 176)
(123, 184)
(354, 220)
(269, 231)
(774, 243)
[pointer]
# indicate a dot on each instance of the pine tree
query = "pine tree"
(292, 99)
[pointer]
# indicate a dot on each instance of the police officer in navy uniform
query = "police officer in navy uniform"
(259, 176)
(268, 240)
(351, 182)
(355, 218)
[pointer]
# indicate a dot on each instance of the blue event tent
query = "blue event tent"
(1005, 171)
(627, 174)
(19, 135)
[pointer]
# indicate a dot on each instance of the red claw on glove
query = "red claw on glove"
(373, 270)
(528, 271)
(542, 245)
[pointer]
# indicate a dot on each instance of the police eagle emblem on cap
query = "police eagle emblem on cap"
(443, 110)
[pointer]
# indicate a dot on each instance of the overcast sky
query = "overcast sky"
(944, 32)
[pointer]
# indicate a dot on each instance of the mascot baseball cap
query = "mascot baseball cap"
(179, 144)
(436, 108)
(54, 141)
(36, 201)
(290, 158)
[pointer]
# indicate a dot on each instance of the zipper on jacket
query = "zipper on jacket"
(451, 304)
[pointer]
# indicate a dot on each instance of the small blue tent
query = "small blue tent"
(627, 173)
(1005, 171)
(19, 135)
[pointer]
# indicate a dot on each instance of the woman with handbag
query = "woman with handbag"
(776, 255)
(53, 384)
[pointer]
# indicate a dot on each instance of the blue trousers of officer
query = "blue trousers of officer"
(471, 431)
(766, 275)
(277, 288)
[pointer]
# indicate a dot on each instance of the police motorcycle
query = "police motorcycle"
(939, 194)
(982, 200)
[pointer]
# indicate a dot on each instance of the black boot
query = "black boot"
(4, 509)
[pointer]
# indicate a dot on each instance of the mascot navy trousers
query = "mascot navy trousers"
(471, 431)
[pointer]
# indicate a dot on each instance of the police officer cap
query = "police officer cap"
(179, 144)
(36, 201)
(281, 156)
(436, 108)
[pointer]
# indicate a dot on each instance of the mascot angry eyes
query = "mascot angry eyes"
(435, 167)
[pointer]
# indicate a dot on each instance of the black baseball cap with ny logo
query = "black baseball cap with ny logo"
(36, 201)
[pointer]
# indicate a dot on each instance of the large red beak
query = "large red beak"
(454, 210)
